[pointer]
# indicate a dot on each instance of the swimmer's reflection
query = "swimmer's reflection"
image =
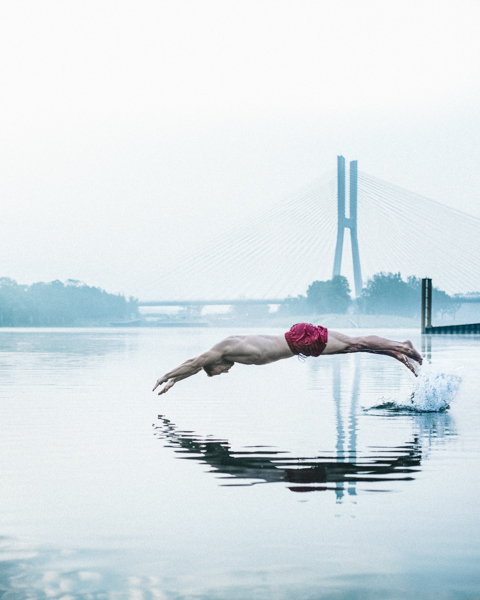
(301, 474)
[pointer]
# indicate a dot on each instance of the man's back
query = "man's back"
(255, 349)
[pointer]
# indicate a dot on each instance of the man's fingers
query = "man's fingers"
(165, 388)
(159, 382)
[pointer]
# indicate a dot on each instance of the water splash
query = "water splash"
(433, 391)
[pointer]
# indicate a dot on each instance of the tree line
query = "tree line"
(60, 304)
(75, 303)
(384, 294)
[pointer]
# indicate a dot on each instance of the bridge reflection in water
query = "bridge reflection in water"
(338, 470)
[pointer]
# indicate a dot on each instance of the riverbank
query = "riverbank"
(332, 321)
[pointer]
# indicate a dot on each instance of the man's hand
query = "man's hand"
(190, 367)
(168, 384)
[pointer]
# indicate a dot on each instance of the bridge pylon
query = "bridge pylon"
(344, 222)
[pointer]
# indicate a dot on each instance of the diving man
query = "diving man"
(302, 339)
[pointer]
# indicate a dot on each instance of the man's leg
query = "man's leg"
(339, 343)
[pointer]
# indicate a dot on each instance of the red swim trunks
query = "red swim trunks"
(307, 339)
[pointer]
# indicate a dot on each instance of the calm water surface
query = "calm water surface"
(270, 482)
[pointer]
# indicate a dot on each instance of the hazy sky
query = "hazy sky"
(131, 132)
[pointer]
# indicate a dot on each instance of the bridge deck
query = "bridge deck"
(238, 301)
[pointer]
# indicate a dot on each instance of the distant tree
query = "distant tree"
(441, 301)
(332, 296)
(14, 305)
(294, 306)
(57, 304)
(389, 294)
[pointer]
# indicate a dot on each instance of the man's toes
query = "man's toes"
(414, 354)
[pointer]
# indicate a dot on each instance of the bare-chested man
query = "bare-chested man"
(302, 339)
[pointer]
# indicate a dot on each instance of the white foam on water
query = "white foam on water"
(433, 391)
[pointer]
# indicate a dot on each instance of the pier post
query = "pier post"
(426, 304)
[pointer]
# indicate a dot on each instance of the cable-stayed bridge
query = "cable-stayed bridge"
(282, 249)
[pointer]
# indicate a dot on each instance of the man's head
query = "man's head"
(219, 367)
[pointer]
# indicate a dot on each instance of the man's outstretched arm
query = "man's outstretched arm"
(190, 367)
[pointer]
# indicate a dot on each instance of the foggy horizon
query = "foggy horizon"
(132, 135)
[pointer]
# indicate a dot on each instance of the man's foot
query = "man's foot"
(410, 364)
(412, 353)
